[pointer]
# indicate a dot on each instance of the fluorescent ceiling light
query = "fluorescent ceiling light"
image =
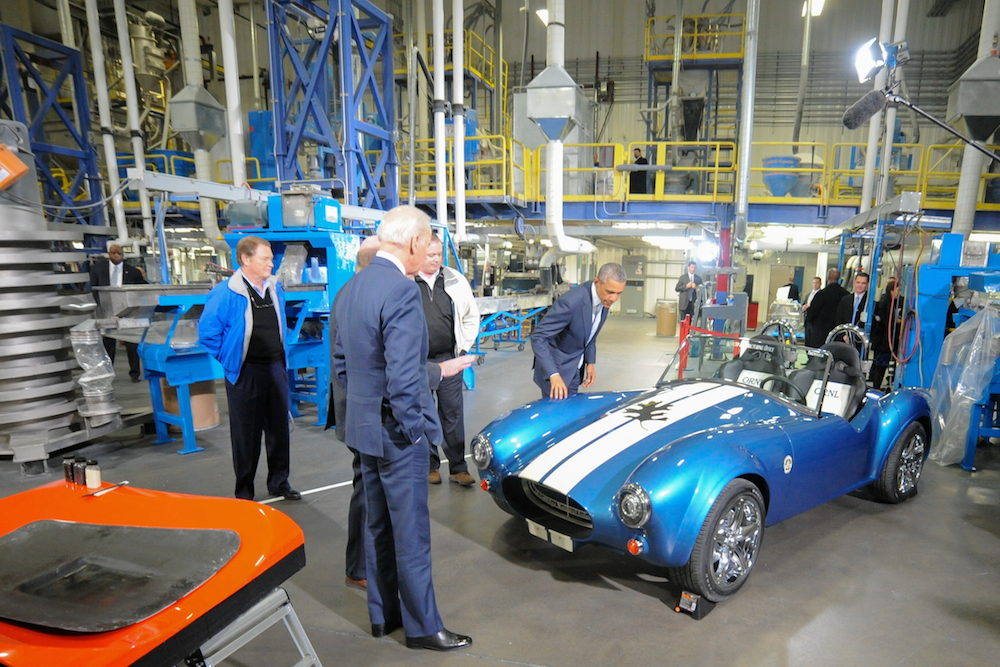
(985, 236)
(668, 242)
(543, 15)
(817, 7)
(792, 232)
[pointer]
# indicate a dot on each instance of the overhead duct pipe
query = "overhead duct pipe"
(972, 159)
(458, 113)
(746, 122)
(440, 173)
(234, 111)
(191, 54)
(875, 129)
(104, 116)
(132, 107)
(552, 103)
(803, 76)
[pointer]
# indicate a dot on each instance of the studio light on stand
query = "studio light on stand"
(874, 55)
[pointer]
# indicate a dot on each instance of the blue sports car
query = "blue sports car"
(687, 475)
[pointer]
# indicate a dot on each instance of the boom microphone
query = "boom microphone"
(861, 111)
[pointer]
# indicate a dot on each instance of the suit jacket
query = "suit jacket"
(822, 314)
(845, 310)
(381, 359)
(100, 274)
(336, 413)
(561, 337)
(793, 291)
(683, 298)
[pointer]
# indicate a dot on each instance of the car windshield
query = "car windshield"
(791, 372)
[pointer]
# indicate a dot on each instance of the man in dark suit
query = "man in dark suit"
(565, 341)
(853, 308)
(381, 360)
(687, 291)
(115, 273)
(356, 570)
(637, 179)
(822, 313)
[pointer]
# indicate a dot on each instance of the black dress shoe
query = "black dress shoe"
(446, 640)
(382, 629)
(288, 493)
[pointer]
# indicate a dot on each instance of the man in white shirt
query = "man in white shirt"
(452, 326)
(114, 273)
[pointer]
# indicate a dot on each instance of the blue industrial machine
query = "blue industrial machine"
(261, 125)
(175, 356)
(926, 303)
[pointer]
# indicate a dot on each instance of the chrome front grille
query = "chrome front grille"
(556, 504)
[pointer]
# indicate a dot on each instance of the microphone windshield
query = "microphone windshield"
(861, 111)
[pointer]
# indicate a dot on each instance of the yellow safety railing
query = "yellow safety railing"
(477, 55)
(521, 158)
(583, 179)
(704, 37)
(251, 162)
(705, 171)
(810, 184)
(939, 185)
(425, 177)
(847, 170)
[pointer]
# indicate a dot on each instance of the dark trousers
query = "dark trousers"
(572, 387)
(258, 404)
(398, 543)
(356, 517)
(451, 412)
(131, 349)
(688, 312)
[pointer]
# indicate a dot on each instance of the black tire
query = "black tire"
(480, 360)
(899, 477)
(520, 347)
(737, 513)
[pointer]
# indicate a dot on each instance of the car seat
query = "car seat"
(763, 356)
(845, 386)
(803, 378)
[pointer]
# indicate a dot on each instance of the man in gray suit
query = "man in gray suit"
(687, 290)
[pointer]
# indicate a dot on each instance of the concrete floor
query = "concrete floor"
(851, 582)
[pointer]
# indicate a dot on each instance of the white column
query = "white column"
(234, 111)
(132, 107)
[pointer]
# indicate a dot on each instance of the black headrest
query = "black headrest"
(762, 353)
(845, 359)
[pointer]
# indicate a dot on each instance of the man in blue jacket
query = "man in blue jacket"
(381, 358)
(243, 326)
(565, 341)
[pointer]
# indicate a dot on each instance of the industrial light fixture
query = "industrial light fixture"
(668, 242)
(543, 15)
(817, 7)
(707, 251)
(874, 55)
(870, 59)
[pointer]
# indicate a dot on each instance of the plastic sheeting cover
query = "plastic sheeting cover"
(963, 375)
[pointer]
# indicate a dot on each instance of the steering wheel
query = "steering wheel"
(801, 395)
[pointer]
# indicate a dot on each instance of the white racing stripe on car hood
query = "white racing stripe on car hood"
(559, 452)
(584, 462)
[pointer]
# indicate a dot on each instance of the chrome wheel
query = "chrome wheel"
(735, 542)
(911, 464)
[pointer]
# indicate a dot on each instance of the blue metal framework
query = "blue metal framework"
(35, 106)
(362, 143)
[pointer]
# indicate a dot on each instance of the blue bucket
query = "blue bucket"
(778, 183)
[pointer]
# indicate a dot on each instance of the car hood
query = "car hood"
(591, 462)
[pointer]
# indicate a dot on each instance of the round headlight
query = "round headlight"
(482, 451)
(634, 507)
